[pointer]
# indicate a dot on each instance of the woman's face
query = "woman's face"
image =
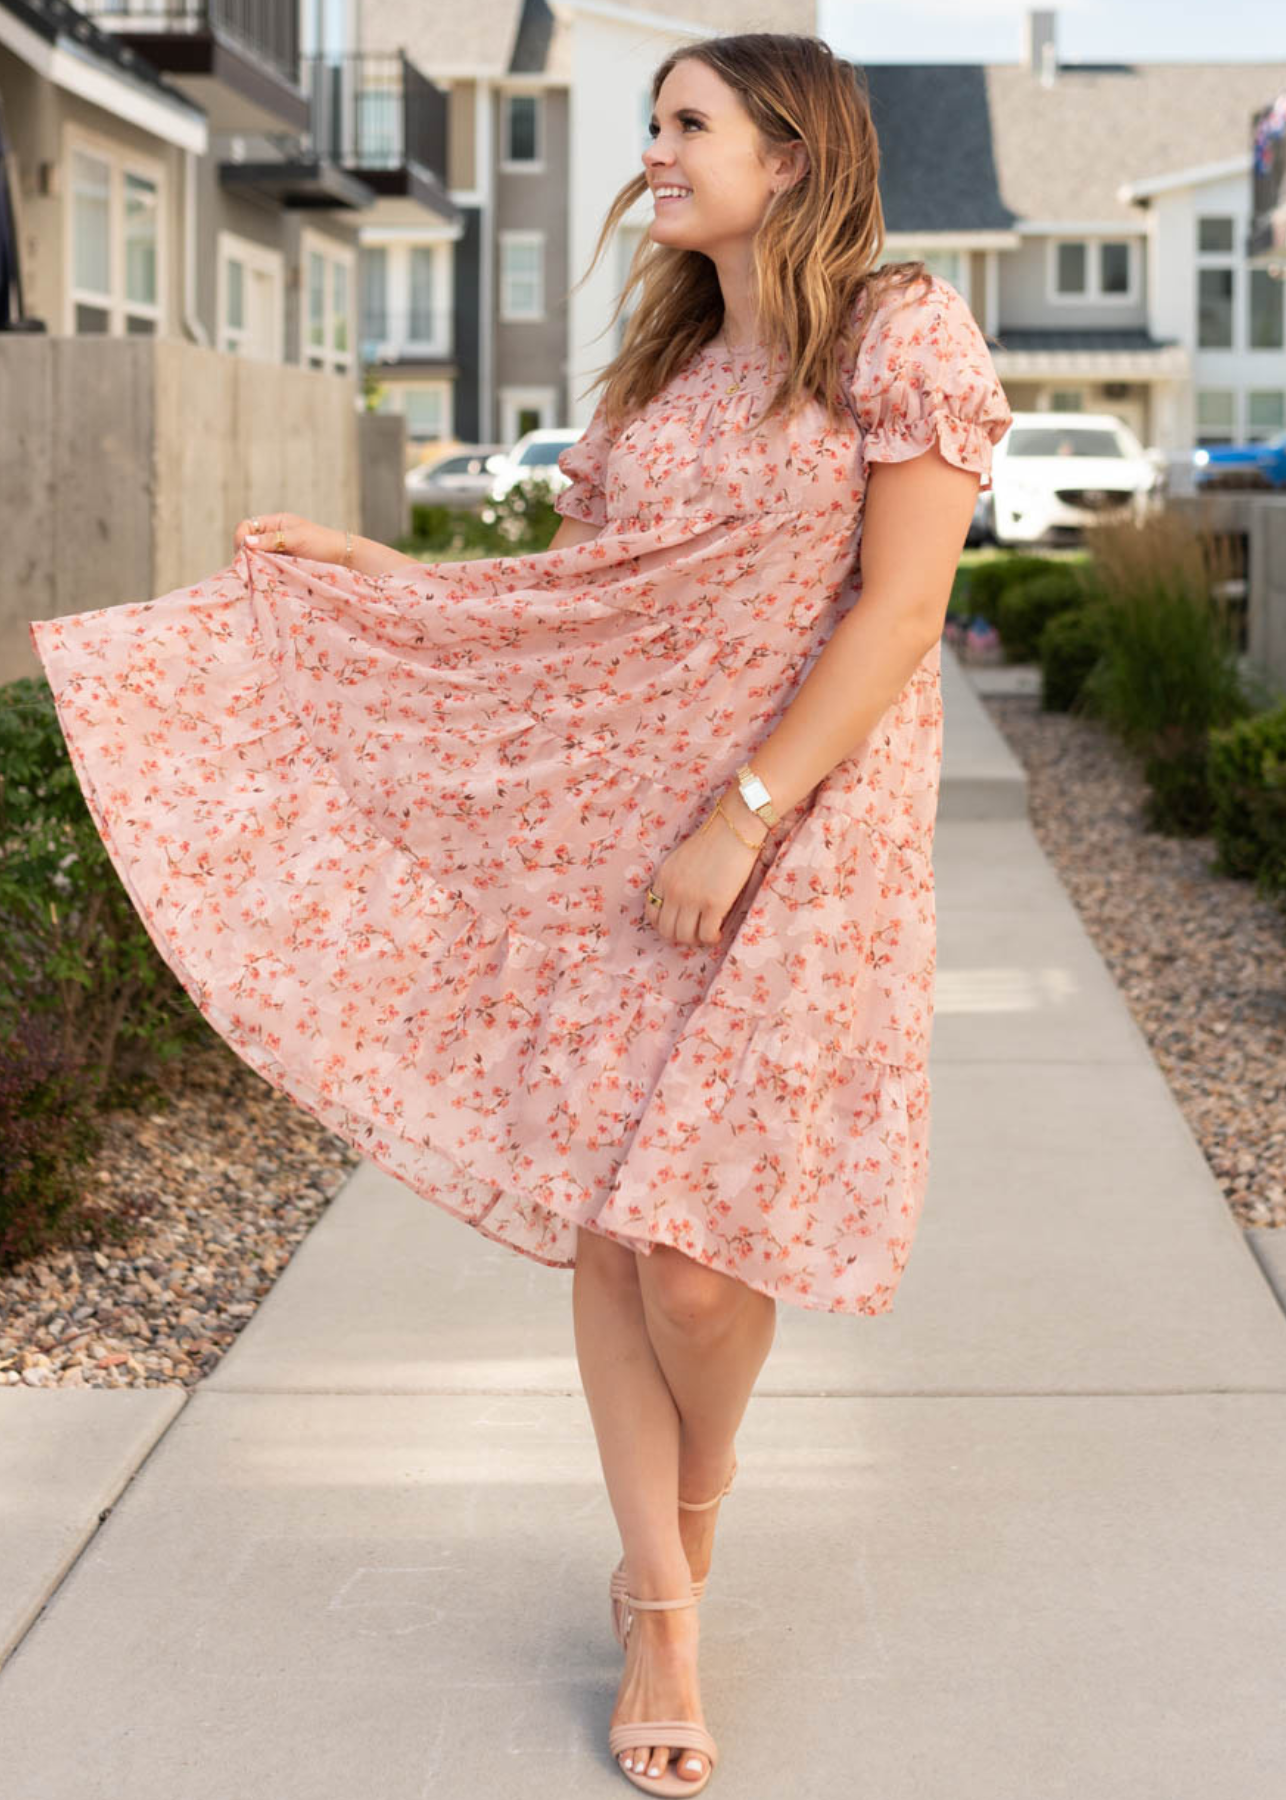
(704, 142)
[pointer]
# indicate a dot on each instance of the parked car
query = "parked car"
(1241, 465)
(534, 458)
(461, 477)
(1055, 472)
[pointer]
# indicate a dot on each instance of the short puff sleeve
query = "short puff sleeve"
(585, 465)
(923, 372)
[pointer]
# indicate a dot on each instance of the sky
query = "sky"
(948, 31)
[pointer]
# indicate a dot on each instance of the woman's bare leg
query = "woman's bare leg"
(714, 1337)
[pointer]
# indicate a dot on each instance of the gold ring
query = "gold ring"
(654, 899)
(255, 526)
(281, 541)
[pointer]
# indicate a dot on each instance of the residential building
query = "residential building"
(1096, 217)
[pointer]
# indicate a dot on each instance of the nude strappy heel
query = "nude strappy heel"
(677, 1734)
(617, 1585)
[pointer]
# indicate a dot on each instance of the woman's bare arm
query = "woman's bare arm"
(572, 532)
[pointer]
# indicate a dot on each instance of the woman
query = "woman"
(589, 892)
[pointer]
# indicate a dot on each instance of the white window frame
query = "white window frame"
(512, 239)
(1247, 290)
(544, 399)
(507, 164)
(1232, 427)
(1259, 434)
(1094, 295)
(1220, 259)
(333, 362)
(114, 303)
(395, 394)
(264, 261)
(398, 248)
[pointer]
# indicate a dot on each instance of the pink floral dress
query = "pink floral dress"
(393, 835)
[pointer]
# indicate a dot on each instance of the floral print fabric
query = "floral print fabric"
(393, 834)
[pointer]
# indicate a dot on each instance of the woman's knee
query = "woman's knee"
(686, 1292)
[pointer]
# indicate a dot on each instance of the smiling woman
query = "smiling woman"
(590, 892)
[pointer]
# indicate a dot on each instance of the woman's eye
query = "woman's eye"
(653, 129)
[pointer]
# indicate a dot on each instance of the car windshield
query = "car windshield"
(1062, 440)
(542, 453)
(457, 465)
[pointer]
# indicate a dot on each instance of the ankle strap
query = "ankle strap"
(703, 1505)
(658, 1605)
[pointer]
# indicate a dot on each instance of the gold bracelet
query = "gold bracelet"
(731, 822)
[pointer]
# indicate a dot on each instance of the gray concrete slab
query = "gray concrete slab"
(66, 1455)
(980, 777)
(1268, 1246)
(313, 1597)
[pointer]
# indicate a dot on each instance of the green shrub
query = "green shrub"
(1168, 673)
(990, 576)
(1024, 608)
(47, 1132)
(521, 524)
(77, 951)
(1247, 774)
(1070, 645)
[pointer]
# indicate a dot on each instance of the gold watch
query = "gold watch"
(756, 795)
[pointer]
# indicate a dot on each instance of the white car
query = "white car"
(534, 458)
(1053, 473)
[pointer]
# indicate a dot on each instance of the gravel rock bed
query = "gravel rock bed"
(219, 1187)
(228, 1180)
(1199, 958)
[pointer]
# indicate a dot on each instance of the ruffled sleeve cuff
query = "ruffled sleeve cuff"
(923, 376)
(585, 465)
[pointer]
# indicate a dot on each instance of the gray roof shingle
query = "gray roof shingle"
(975, 146)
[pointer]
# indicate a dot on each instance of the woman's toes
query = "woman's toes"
(692, 1764)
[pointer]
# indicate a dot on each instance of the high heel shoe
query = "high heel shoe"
(645, 1734)
(618, 1584)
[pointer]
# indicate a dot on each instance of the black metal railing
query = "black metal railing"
(269, 28)
(376, 111)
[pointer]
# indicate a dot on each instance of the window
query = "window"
(426, 407)
(1214, 236)
(1091, 269)
(375, 322)
(522, 263)
(1265, 414)
(1215, 423)
(1214, 309)
(248, 306)
(1066, 400)
(325, 325)
(1072, 277)
(1264, 324)
(946, 263)
(114, 249)
(421, 329)
(522, 132)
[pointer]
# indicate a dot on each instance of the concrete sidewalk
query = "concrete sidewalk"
(1016, 1541)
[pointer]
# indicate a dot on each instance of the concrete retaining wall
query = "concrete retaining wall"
(126, 464)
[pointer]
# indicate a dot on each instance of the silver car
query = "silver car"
(460, 478)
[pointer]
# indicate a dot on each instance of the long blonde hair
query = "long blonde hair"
(815, 249)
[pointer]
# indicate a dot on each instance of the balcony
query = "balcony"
(238, 59)
(383, 122)
(419, 337)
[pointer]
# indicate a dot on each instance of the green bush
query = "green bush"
(1024, 608)
(1168, 674)
(1070, 645)
(47, 1132)
(521, 524)
(78, 952)
(1247, 774)
(990, 576)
